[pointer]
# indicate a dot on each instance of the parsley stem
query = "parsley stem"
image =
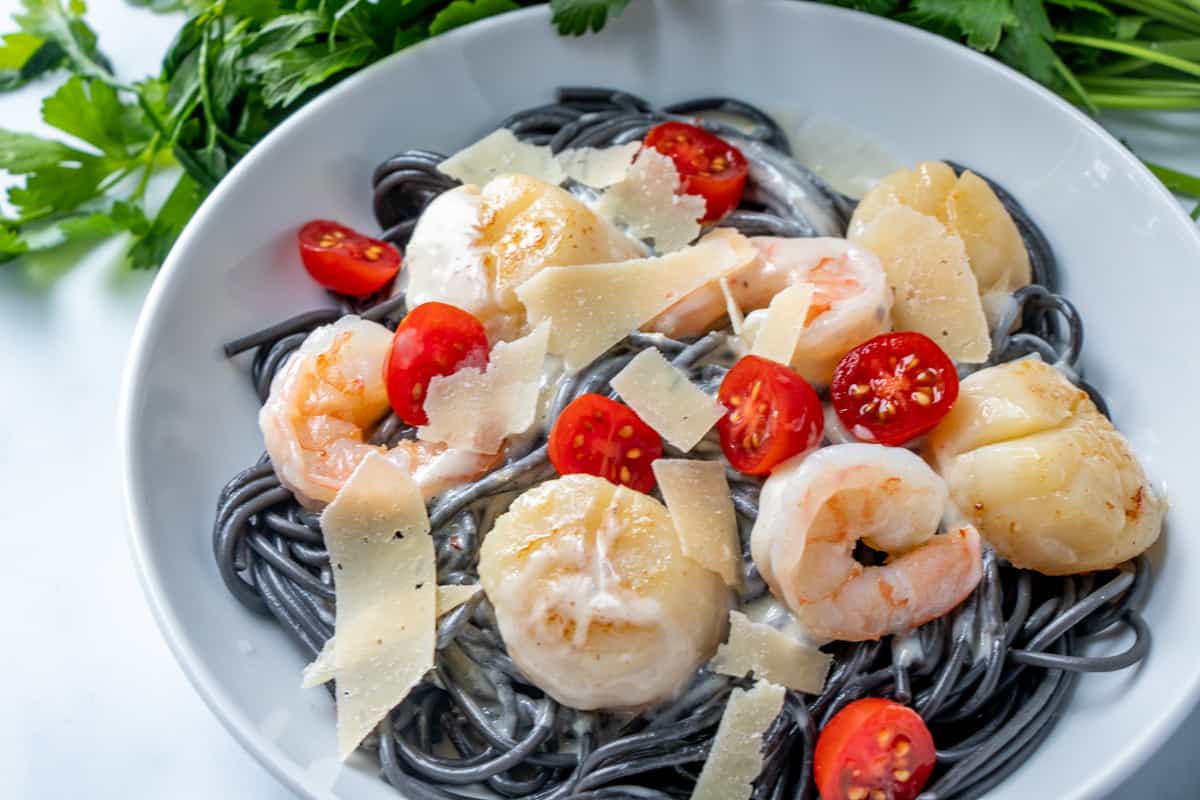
(1176, 181)
(1073, 82)
(1174, 62)
(1142, 86)
(1145, 102)
(1165, 11)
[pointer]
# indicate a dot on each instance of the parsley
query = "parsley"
(237, 68)
(577, 17)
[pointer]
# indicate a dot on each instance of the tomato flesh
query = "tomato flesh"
(873, 749)
(708, 165)
(774, 414)
(602, 437)
(344, 261)
(434, 339)
(894, 388)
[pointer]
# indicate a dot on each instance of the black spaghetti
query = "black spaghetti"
(990, 678)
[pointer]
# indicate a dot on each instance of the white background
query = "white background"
(91, 702)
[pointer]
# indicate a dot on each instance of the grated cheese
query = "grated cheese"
(501, 153)
(647, 202)
(599, 167)
(697, 496)
(380, 546)
(771, 655)
(736, 755)
(666, 399)
(592, 307)
(476, 410)
(780, 331)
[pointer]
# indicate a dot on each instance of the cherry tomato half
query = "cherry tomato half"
(345, 261)
(708, 165)
(434, 339)
(873, 748)
(602, 437)
(894, 387)
(773, 415)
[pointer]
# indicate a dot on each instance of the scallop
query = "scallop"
(595, 600)
(473, 247)
(1042, 474)
(946, 242)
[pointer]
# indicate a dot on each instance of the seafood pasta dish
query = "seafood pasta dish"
(629, 459)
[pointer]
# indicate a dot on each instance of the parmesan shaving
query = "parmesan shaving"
(475, 410)
(697, 496)
(322, 669)
(451, 597)
(736, 318)
(666, 400)
(780, 331)
(736, 755)
(594, 306)
(382, 553)
(771, 655)
(647, 202)
(599, 167)
(501, 153)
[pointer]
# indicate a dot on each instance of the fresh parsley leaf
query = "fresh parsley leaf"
(11, 244)
(1026, 45)
(151, 247)
(290, 74)
(59, 188)
(461, 12)
(577, 17)
(91, 111)
(981, 22)
(167, 6)
(64, 27)
(24, 57)
(22, 153)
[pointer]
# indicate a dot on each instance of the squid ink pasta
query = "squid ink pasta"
(989, 677)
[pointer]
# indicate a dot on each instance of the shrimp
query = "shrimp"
(815, 509)
(323, 401)
(850, 304)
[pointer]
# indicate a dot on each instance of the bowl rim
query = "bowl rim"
(1103, 779)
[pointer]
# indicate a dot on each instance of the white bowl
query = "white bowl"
(1128, 257)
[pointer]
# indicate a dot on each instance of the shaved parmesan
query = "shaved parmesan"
(771, 655)
(378, 537)
(666, 400)
(451, 597)
(647, 202)
(780, 331)
(697, 496)
(322, 669)
(594, 306)
(501, 153)
(599, 167)
(736, 318)
(475, 410)
(736, 755)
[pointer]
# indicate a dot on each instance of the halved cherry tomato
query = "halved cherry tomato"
(602, 437)
(345, 261)
(894, 387)
(873, 748)
(773, 415)
(434, 339)
(708, 165)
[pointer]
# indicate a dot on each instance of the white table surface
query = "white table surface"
(92, 703)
